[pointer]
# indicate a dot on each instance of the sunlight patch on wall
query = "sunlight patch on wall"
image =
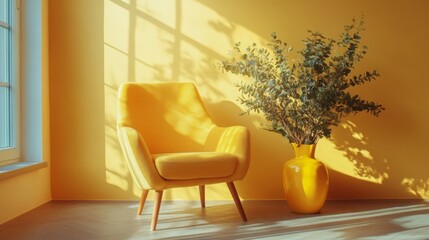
(117, 25)
(152, 51)
(212, 29)
(163, 11)
(117, 173)
(116, 47)
(204, 31)
(417, 187)
(115, 66)
(205, 42)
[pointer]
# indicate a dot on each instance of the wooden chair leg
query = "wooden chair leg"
(237, 201)
(156, 207)
(203, 196)
(142, 201)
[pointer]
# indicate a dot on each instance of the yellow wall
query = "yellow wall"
(21, 193)
(96, 45)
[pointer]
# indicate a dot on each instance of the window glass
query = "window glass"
(4, 10)
(4, 55)
(6, 130)
(4, 118)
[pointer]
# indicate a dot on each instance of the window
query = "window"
(9, 84)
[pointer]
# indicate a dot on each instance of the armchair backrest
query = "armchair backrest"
(169, 116)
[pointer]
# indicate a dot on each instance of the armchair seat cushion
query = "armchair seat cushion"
(195, 165)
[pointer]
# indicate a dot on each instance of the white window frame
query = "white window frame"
(12, 154)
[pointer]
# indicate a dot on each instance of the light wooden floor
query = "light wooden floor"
(79, 220)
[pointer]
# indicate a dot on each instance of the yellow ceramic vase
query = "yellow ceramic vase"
(305, 180)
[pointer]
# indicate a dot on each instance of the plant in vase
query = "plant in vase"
(302, 99)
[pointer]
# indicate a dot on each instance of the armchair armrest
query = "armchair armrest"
(234, 140)
(139, 159)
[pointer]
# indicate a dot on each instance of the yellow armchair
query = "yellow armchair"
(170, 141)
